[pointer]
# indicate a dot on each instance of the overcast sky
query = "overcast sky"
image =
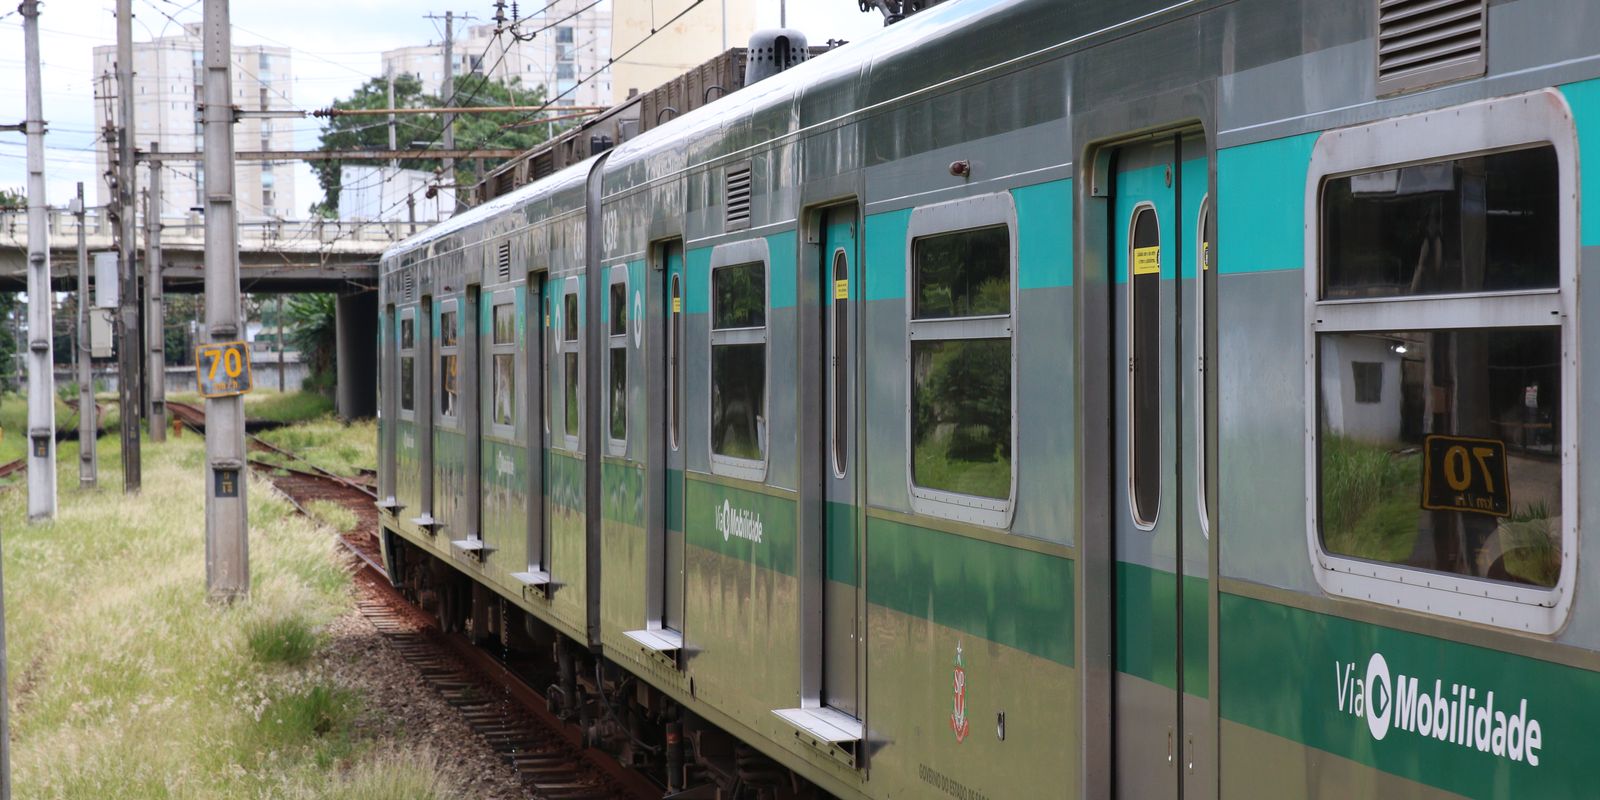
(336, 48)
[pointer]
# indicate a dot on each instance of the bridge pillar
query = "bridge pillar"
(356, 354)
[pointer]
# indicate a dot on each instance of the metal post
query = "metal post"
(88, 423)
(128, 330)
(449, 92)
(411, 208)
(394, 163)
(41, 324)
(280, 336)
(155, 338)
(227, 523)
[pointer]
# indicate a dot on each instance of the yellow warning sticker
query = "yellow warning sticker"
(1205, 256)
(677, 305)
(1147, 260)
(841, 290)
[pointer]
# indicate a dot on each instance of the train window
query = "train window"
(1474, 432)
(569, 363)
(1144, 365)
(1205, 380)
(1484, 223)
(1443, 437)
(674, 347)
(505, 366)
(408, 367)
(960, 320)
(618, 364)
(449, 369)
(840, 383)
(739, 361)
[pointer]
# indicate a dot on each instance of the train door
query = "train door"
(535, 316)
(427, 338)
(671, 256)
(1164, 737)
(841, 612)
(470, 364)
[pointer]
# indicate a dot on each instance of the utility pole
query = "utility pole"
(155, 314)
(41, 324)
(128, 330)
(448, 90)
(280, 326)
(227, 521)
(394, 162)
(88, 422)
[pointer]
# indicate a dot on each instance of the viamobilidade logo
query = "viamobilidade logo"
(1461, 714)
(738, 523)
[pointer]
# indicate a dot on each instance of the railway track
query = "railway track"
(511, 716)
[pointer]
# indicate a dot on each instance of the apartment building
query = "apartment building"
(166, 83)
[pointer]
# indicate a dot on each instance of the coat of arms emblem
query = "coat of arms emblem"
(958, 701)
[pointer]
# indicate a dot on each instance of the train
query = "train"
(1106, 398)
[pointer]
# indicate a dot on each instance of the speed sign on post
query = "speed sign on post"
(223, 369)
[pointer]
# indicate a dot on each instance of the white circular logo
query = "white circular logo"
(638, 319)
(1379, 697)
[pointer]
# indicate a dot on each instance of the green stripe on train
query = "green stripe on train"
(1146, 607)
(1303, 676)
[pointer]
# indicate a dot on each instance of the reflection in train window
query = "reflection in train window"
(569, 361)
(408, 383)
(449, 385)
(447, 329)
(739, 361)
(504, 363)
(961, 396)
(1483, 223)
(1459, 470)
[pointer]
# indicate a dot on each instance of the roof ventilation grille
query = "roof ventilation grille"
(503, 263)
(1427, 42)
(738, 196)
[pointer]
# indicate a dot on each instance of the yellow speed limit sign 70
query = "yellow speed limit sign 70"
(223, 369)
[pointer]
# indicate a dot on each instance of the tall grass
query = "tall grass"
(345, 449)
(1369, 499)
(126, 682)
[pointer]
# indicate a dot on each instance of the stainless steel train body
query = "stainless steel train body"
(1148, 398)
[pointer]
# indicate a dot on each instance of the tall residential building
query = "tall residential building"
(166, 83)
(572, 41)
(704, 32)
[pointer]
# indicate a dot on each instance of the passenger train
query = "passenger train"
(1043, 398)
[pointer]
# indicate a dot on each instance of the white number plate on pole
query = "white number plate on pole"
(223, 369)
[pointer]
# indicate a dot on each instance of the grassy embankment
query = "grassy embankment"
(125, 682)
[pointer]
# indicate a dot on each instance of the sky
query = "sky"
(336, 48)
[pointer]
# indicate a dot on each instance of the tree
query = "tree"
(472, 130)
(312, 329)
(12, 198)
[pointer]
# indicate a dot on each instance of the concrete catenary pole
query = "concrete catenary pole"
(128, 330)
(41, 325)
(281, 381)
(449, 92)
(227, 523)
(88, 422)
(155, 315)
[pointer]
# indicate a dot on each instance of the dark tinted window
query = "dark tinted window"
(619, 308)
(1478, 224)
(408, 333)
(738, 400)
(674, 346)
(569, 322)
(619, 392)
(408, 383)
(1144, 284)
(841, 358)
(963, 274)
(569, 382)
(1459, 470)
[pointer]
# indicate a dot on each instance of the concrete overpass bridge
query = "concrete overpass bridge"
(274, 256)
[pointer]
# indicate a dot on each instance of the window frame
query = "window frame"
(451, 306)
(840, 369)
(738, 254)
(957, 216)
(1204, 365)
(1540, 118)
(407, 314)
(617, 276)
(497, 300)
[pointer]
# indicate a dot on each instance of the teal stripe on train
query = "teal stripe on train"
(1584, 98)
(1261, 224)
(1147, 602)
(1335, 684)
(780, 274)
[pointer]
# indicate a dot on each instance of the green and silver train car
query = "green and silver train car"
(1134, 398)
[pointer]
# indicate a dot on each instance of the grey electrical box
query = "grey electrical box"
(100, 333)
(106, 285)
